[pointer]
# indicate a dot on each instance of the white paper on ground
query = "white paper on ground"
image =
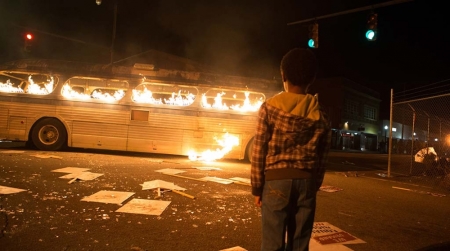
(326, 234)
(218, 180)
(12, 151)
(330, 189)
(10, 190)
(112, 197)
(70, 170)
(46, 156)
(170, 171)
(141, 206)
(161, 184)
(242, 180)
(315, 246)
(82, 176)
(206, 168)
(237, 248)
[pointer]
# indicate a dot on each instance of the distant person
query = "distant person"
(288, 160)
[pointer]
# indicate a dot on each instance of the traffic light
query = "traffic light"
(28, 42)
(313, 41)
(371, 33)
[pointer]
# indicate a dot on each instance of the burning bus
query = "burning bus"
(57, 104)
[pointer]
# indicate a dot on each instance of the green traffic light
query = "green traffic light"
(370, 35)
(311, 43)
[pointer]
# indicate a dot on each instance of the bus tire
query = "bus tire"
(248, 151)
(49, 134)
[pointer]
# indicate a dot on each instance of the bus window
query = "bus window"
(90, 88)
(223, 99)
(160, 94)
(25, 83)
(108, 94)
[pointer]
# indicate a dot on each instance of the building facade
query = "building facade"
(354, 113)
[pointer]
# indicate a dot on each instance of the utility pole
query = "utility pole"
(113, 32)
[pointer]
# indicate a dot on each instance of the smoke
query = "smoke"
(226, 36)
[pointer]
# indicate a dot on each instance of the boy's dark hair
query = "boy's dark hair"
(299, 66)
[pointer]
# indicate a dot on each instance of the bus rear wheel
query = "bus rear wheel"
(49, 134)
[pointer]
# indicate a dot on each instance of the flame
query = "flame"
(33, 88)
(118, 95)
(247, 106)
(146, 96)
(68, 92)
(219, 104)
(227, 143)
(180, 100)
(36, 89)
(8, 87)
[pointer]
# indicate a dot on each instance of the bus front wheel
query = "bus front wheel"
(249, 150)
(49, 134)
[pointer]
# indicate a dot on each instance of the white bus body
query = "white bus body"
(129, 109)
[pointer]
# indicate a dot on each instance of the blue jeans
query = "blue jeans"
(288, 207)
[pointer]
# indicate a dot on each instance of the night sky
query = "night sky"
(246, 37)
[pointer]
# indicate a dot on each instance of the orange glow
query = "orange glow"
(34, 88)
(447, 139)
(219, 104)
(227, 142)
(8, 87)
(68, 92)
(178, 99)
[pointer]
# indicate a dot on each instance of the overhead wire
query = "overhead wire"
(424, 91)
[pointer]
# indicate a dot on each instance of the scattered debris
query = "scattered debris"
(382, 174)
(421, 192)
(184, 194)
(347, 163)
(46, 156)
(137, 249)
(330, 189)
(350, 174)
(11, 151)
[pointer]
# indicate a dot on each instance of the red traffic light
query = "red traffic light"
(29, 36)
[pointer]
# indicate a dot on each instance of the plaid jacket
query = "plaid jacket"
(284, 140)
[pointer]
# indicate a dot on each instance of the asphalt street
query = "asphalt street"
(51, 213)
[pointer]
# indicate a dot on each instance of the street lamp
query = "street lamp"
(385, 133)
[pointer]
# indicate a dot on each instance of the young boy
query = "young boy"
(290, 147)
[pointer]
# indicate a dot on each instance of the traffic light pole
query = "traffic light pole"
(113, 33)
(370, 7)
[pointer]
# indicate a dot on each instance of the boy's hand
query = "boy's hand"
(258, 201)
